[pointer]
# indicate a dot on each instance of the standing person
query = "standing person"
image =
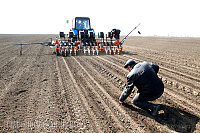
(150, 87)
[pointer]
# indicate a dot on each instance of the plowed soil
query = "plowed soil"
(42, 92)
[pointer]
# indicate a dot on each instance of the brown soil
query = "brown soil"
(42, 92)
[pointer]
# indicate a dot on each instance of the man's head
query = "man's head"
(129, 64)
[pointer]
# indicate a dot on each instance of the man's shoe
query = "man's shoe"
(155, 110)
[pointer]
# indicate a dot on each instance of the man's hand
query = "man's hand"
(121, 102)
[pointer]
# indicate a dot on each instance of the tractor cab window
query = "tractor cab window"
(82, 24)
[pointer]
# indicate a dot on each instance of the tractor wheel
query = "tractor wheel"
(57, 52)
(66, 53)
(63, 53)
(120, 51)
(111, 52)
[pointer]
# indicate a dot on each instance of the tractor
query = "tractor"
(82, 40)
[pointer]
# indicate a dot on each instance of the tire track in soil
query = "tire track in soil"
(102, 113)
(110, 101)
(110, 72)
(115, 92)
(84, 101)
(115, 75)
(77, 118)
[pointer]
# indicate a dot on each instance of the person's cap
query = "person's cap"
(130, 62)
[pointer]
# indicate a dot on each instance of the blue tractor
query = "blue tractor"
(82, 39)
(82, 31)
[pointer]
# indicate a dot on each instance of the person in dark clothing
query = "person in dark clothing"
(150, 87)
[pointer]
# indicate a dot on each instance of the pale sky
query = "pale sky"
(157, 17)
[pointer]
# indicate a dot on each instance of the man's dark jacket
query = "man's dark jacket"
(144, 77)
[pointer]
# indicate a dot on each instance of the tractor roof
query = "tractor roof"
(82, 18)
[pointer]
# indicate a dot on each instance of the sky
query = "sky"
(156, 17)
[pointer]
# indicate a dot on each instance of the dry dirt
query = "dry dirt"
(41, 92)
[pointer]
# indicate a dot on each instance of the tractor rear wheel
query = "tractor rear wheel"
(66, 53)
(120, 51)
(63, 53)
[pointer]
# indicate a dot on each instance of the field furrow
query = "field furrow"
(42, 92)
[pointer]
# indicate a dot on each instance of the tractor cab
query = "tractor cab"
(82, 23)
(81, 30)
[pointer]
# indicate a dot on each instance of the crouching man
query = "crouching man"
(150, 86)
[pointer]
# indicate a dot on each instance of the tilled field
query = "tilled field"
(42, 92)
